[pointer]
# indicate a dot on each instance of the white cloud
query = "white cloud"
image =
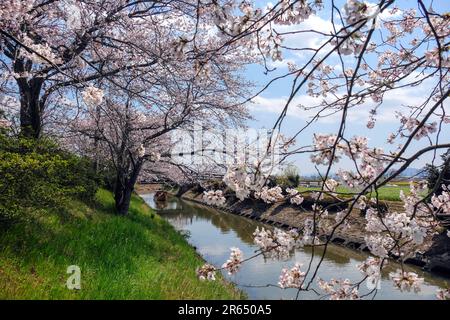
(393, 101)
(279, 64)
(301, 35)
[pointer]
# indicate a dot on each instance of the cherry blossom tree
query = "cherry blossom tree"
(52, 50)
(131, 120)
(161, 64)
(49, 48)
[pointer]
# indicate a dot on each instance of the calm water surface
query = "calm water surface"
(213, 233)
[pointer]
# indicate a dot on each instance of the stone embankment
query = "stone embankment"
(287, 216)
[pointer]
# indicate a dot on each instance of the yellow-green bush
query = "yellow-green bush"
(39, 174)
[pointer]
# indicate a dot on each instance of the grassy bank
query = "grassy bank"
(135, 257)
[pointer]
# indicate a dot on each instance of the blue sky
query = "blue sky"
(267, 107)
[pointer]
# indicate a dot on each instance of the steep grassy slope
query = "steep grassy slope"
(139, 256)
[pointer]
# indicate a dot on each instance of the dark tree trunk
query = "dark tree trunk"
(31, 107)
(122, 197)
(124, 189)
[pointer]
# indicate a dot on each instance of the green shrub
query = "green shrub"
(38, 174)
(289, 178)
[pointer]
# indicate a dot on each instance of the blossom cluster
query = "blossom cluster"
(356, 11)
(351, 39)
(231, 24)
(293, 12)
(371, 268)
(339, 289)
(40, 53)
(270, 195)
(406, 281)
(442, 201)
(214, 197)
(276, 243)
(292, 278)
(155, 156)
(141, 151)
(206, 272)
(330, 185)
(294, 196)
(234, 262)
(435, 58)
(411, 124)
(370, 161)
(13, 13)
(241, 182)
(324, 144)
(401, 233)
(93, 96)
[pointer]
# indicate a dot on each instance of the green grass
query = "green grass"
(391, 193)
(139, 256)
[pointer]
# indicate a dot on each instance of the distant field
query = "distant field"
(391, 193)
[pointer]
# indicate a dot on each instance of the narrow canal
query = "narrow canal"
(213, 233)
